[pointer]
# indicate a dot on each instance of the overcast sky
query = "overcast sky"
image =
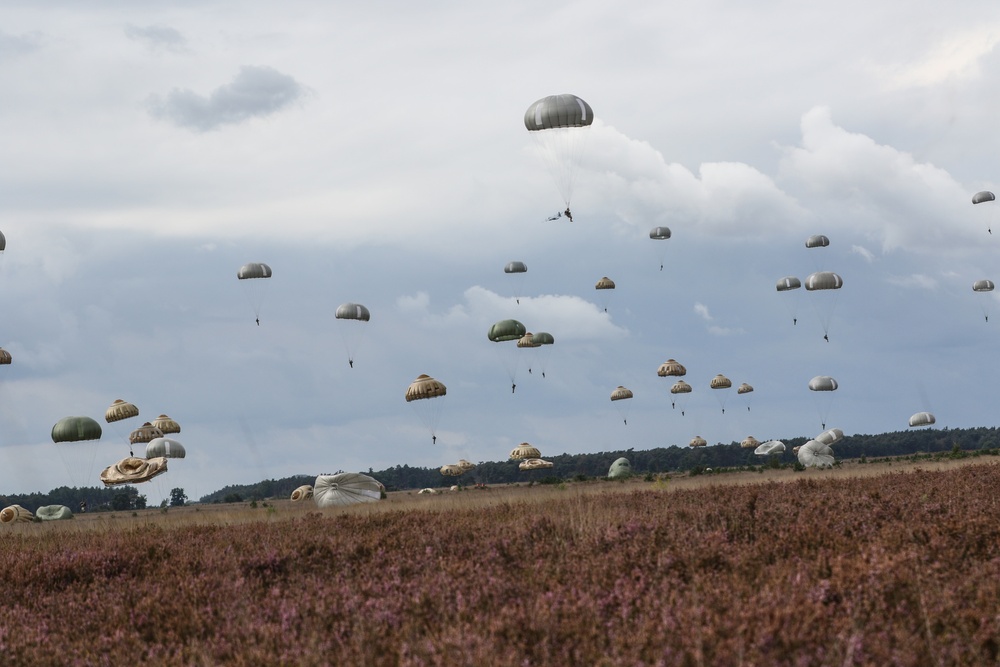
(376, 153)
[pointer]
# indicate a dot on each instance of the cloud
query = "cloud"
(255, 92)
(914, 280)
(956, 57)
(12, 46)
(157, 37)
(864, 252)
(702, 310)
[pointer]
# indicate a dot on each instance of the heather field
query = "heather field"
(863, 565)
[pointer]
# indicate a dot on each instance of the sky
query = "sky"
(376, 153)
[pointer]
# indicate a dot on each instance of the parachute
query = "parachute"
(168, 448)
(671, 368)
(542, 341)
(620, 469)
(981, 198)
(770, 447)
(78, 458)
(619, 395)
(604, 287)
(132, 470)
(921, 419)
(524, 451)
(120, 410)
(679, 392)
(750, 442)
(697, 441)
(16, 514)
(559, 125)
(534, 464)
(304, 492)
(426, 395)
(350, 313)
(815, 454)
(722, 384)
(452, 470)
(346, 488)
(506, 331)
(53, 513)
(660, 234)
(984, 285)
(251, 276)
(5, 357)
(144, 434)
(745, 390)
(166, 425)
(518, 269)
(790, 284)
(823, 383)
(828, 283)
(817, 241)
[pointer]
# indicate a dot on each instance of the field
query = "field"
(879, 563)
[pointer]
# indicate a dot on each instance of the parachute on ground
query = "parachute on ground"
(921, 419)
(525, 451)
(558, 123)
(346, 488)
(166, 447)
(16, 514)
(815, 454)
(351, 313)
(620, 469)
(53, 513)
(304, 492)
(250, 275)
(770, 447)
(534, 464)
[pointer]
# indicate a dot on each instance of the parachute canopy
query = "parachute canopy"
(558, 111)
(16, 514)
(515, 267)
(770, 447)
(352, 311)
(5, 357)
(425, 387)
(543, 338)
(525, 451)
(621, 393)
(659, 233)
(254, 270)
(132, 470)
(75, 429)
(815, 454)
(921, 419)
(823, 280)
(506, 330)
(823, 383)
(452, 470)
(830, 436)
(983, 285)
(680, 387)
(750, 442)
(304, 492)
(528, 340)
(744, 389)
(145, 433)
(166, 447)
(120, 410)
(620, 468)
(983, 196)
(605, 283)
(534, 464)
(720, 381)
(788, 283)
(671, 368)
(53, 513)
(166, 424)
(346, 488)
(817, 241)
(697, 441)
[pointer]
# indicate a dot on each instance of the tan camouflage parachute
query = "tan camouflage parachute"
(697, 441)
(750, 442)
(120, 410)
(166, 425)
(304, 492)
(525, 451)
(16, 514)
(145, 433)
(671, 368)
(534, 464)
(132, 470)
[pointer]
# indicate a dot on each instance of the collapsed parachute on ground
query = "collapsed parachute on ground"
(922, 419)
(132, 470)
(168, 448)
(770, 447)
(525, 451)
(559, 125)
(304, 492)
(621, 468)
(815, 454)
(53, 513)
(534, 464)
(16, 514)
(346, 488)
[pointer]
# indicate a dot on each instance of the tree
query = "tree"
(177, 497)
